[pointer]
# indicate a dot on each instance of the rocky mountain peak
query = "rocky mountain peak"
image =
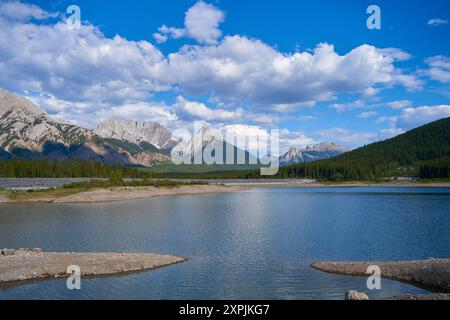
(319, 151)
(326, 146)
(19, 106)
(26, 131)
(136, 132)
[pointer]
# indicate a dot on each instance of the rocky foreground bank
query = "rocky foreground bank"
(433, 274)
(29, 264)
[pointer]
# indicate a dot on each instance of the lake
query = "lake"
(256, 244)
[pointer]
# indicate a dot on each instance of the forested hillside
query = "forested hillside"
(424, 152)
(17, 168)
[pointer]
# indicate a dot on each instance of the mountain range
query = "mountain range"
(323, 150)
(28, 132)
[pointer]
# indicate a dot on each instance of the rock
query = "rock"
(8, 252)
(355, 295)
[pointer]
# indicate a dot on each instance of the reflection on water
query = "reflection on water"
(256, 244)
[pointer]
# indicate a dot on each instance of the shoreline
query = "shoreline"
(115, 194)
(432, 274)
(139, 193)
(24, 265)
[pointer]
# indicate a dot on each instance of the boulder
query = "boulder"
(355, 295)
(8, 252)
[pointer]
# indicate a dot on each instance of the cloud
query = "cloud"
(296, 138)
(307, 118)
(201, 23)
(192, 110)
(284, 107)
(436, 22)
(82, 73)
(160, 37)
(242, 68)
(21, 11)
(199, 111)
(370, 92)
(359, 104)
(77, 66)
(164, 32)
(399, 104)
(439, 68)
(389, 133)
(346, 137)
(415, 117)
(409, 81)
(395, 53)
(386, 119)
(342, 107)
(256, 137)
(85, 115)
(367, 114)
(411, 118)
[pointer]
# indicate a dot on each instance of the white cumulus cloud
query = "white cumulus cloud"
(415, 117)
(201, 23)
(199, 111)
(242, 68)
(439, 68)
(21, 11)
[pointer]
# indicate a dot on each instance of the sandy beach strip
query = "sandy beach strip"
(27, 264)
(433, 274)
(122, 194)
(134, 193)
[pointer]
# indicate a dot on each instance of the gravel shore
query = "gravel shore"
(121, 194)
(433, 274)
(25, 264)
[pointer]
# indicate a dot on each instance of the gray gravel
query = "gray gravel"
(29, 264)
(432, 273)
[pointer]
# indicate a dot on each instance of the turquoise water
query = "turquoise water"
(256, 244)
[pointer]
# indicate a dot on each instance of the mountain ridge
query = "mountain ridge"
(28, 132)
(322, 150)
(137, 131)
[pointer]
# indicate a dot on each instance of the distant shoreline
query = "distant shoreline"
(139, 193)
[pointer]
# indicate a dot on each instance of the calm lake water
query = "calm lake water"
(256, 244)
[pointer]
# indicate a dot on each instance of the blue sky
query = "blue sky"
(311, 68)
